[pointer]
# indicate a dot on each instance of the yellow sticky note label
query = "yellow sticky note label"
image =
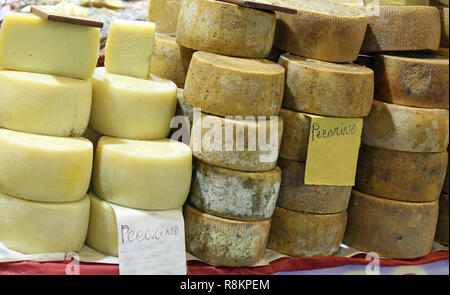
(333, 149)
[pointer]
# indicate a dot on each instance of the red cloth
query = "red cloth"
(199, 268)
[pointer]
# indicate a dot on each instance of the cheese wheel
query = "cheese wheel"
(234, 194)
(245, 145)
(102, 231)
(44, 168)
(402, 176)
(147, 175)
(133, 108)
(225, 28)
(170, 60)
(322, 30)
(399, 2)
(328, 89)
(165, 14)
(393, 229)
(39, 227)
(294, 143)
(224, 242)
(444, 26)
(44, 104)
(442, 225)
(303, 234)
(412, 79)
(401, 28)
(233, 86)
(297, 196)
(407, 129)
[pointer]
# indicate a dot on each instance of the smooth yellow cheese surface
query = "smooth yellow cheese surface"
(102, 229)
(44, 168)
(133, 108)
(31, 44)
(129, 48)
(296, 128)
(233, 86)
(147, 175)
(44, 104)
(407, 129)
(39, 227)
(164, 13)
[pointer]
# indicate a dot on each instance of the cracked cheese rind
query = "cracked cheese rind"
(317, 199)
(133, 108)
(39, 227)
(165, 14)
(322, 30)
(146, 175)
(406, 129)
(225, 28)
(31, 44)
(402, 176)
(393, 229)
(224, 242)
(328, 89)
(304, 234)
(44, 168)
(232, 86)
(412, 79)
(442, 225)
(244, 196)
(294, 143)
(402, 28)
(44, 104)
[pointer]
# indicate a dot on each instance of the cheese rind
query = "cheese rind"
(442, 225)
(318, 199)
(402, 176)
(222, 80)
(407, 129)
(322, 30)
(39, 227)
(328, 89)
(165, 14)
(296, 128)
(303, 234)
(147, 175)
(393, 229)
(412, 79)
(44, 104)
(244, 196)
(170, 60)
(133, 108)
(44, 168)
(225, 28)
(48, 47)
(129, 48)
(224, 242)
(403, 28)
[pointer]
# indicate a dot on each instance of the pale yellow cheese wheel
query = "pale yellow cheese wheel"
(133, 108)
(44, 168)
(165, 14)
(33, 227)
(296, 128)
(44, 104)
(225, 28)
(147, 175)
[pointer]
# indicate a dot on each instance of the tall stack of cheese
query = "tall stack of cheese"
(310, 220)
(394, 208)
(135, 165)
(45, 103)
(235, 181)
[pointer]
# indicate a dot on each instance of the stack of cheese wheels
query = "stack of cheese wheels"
(45, 104)
(403, 160)
(442, 5)
(135, 164)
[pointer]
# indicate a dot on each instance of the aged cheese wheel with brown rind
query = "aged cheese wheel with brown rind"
(225, 28)
(393, 229)
(412, 79)
(233, 86)
(294, 143)
(328, 89)
(303, 234)
(407, 129)
(224, 242)
(321, 30)
(402, 176)
(442, 225)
